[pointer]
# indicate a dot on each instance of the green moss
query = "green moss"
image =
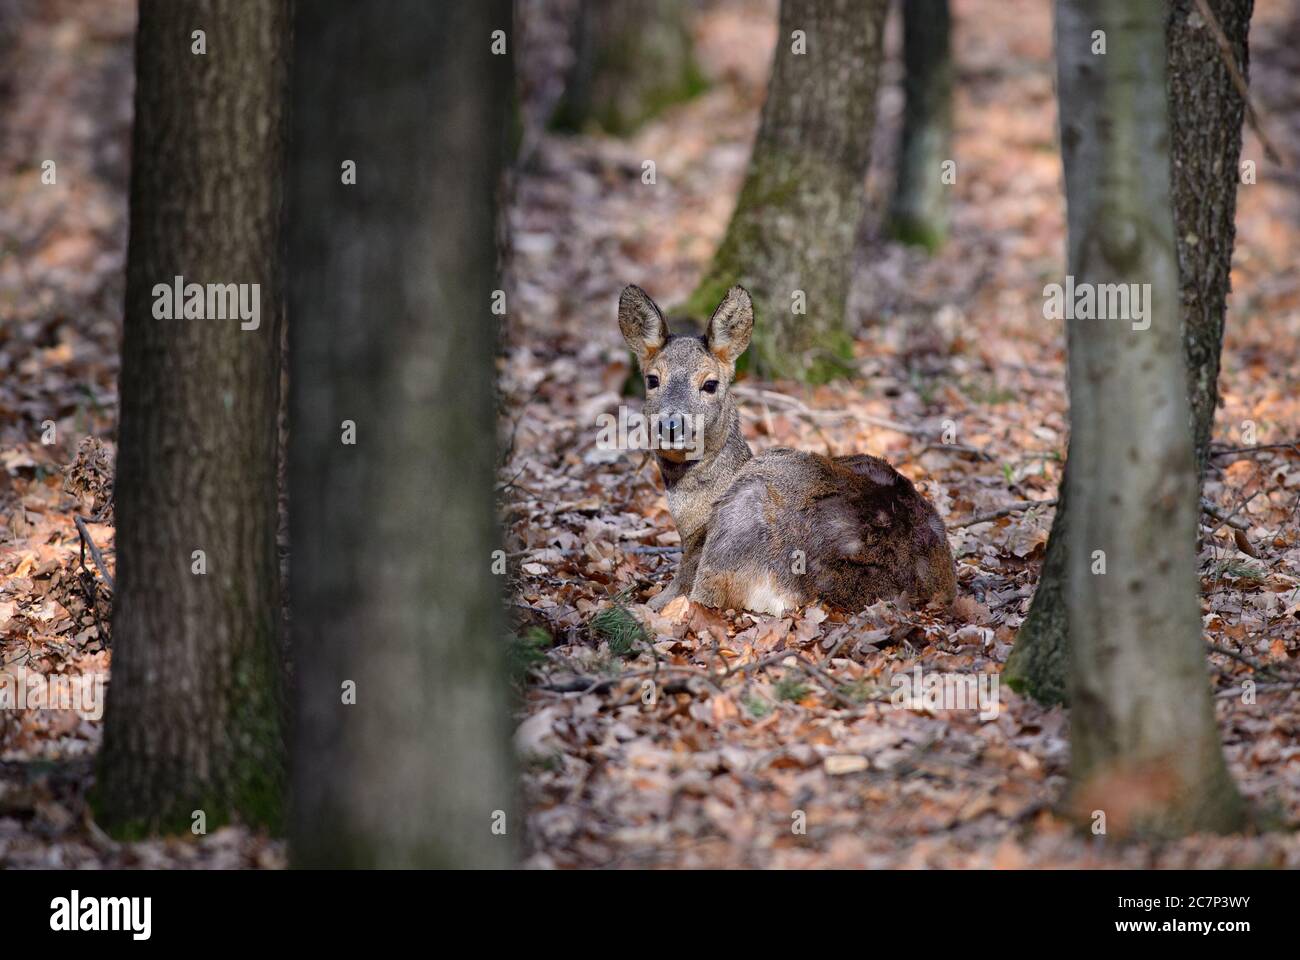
(631, 99)
(916, 233)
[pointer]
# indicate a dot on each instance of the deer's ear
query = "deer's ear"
(731, 325)
(642, 323)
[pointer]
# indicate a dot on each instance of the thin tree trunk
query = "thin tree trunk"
(632, 58)
(1144, 741)
(395, 603)
(1039, 661)
(919, 211)
(194, 716)
(790, 239)
(1205, 116)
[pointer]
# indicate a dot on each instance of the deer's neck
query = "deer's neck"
(695, 485)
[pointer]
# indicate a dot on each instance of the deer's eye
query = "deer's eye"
(710, 386)
(651, 381)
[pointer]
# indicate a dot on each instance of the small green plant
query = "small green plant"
(527, 651)
(758, 707)
(1241, 570)
(788, 688)
(857, 691)
(619, 627)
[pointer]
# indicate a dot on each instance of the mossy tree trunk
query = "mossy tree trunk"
(1144, 744)
(194, 720)
(632, 58)
(1205, 117)
(402, 755)
(919, 210)
(790, 239)
(1039, 661)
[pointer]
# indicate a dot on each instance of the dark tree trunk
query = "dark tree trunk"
(194, 717)
(919, 211)
(393, 536)
(790, 240)
(1039, 661)
(1144, 744)
(632, 58)
(1205, 116)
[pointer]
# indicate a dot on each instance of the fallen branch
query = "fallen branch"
(1259, 668)
(1004, 512)
(579, 551)
(1223, 516)
(1217, 451)
(1259, 688)
(797, 406)
(88, 540)
(584, 685)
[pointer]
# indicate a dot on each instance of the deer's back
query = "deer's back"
(796, 526)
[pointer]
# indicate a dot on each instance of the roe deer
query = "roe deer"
(771, 532)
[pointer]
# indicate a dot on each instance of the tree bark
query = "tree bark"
(1205, 116)
(194, 716)
(1143, 735)
(1039, 662)
(919, 212)
(632, 58)
(391, 287)
(790, 239)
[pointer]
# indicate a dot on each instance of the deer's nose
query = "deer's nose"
(672, 428)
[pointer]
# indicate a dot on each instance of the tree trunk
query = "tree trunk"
(1144, 743)
(395, 604)
(919, 212)
(632, 58)
(1039, 661)
(194, 717)
(790, 240)
(1205, 116)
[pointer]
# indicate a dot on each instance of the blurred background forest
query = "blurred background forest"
(936, 332)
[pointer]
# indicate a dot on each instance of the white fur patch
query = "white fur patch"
(765, 597)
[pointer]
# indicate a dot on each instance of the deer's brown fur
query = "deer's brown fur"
(771, 532)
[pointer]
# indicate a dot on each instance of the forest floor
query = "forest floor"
(743, 745)
(751, 759)
(66, 80)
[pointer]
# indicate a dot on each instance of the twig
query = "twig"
(1004, 512)
(960, 448)
(1238, 81)
(578, 551)
(86, 538)
(1240, 506)
(1258, 448)
(802, 409)
(817, 674)
(1242, 658)
(585, 685)
(1259, 688)
(1223, 516)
